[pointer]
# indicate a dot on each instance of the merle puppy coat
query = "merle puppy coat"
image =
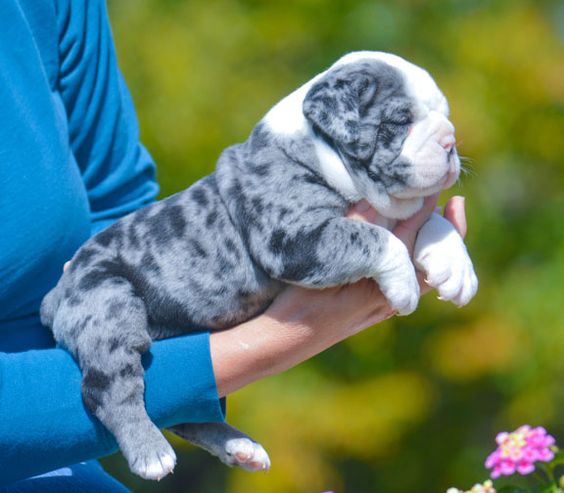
(373, 127)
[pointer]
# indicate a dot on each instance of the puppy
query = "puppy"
(373, 126)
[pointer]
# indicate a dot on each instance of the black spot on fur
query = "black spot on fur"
(92, 280)
(131, 398)
(165, 225)
(229, 245)
(351, 126)
(113, 344)
(210, 219)
(176, 220)
(224, 265)
(313, 179)
(115, 309)
(198, 249)
(72, 298)
(83, 257)
(149, 263)
(105, 237)
(259, 139)
(298, 252)
(277, 241)
(262, 170)
(257, 205)
(300, 258)
(94, 384)
(200, 197)
(130, 370)
(283, 212)
(77, 329)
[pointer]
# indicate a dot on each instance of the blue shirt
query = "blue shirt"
(70, 164)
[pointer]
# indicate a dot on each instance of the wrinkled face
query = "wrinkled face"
(388, 122)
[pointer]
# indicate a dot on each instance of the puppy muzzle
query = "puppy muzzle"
(431, 152)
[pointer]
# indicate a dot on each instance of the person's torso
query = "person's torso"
(44, 209)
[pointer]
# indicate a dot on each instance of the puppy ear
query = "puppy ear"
(334, 106)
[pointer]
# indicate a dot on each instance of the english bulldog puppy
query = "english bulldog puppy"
(373, 126)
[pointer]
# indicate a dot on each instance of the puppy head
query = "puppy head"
(388, 121)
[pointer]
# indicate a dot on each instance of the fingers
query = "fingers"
(407, 229)
(362, 211)
(456, 214)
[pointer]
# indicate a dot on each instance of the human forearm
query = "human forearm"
(298, 325)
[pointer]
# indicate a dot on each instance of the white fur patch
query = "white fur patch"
(333, 170)
(286, 117)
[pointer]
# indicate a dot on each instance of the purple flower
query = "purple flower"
(518, 451)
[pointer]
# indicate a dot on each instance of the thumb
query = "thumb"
(407, 229)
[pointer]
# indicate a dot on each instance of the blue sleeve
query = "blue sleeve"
(117, 170)
(43, 422)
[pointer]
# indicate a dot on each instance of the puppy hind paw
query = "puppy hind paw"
(247, 454)
(154, 464)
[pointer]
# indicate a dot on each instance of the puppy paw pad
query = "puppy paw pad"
(246, 454)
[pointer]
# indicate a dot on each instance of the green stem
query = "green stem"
(548, 469)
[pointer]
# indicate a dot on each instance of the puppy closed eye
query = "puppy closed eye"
(401, 122)
(403, 118)
(399, 117)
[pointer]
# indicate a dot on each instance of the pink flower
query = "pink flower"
(518, 451)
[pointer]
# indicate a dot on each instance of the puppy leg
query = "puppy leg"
(108, 336)
(233, 447)
(338, 251)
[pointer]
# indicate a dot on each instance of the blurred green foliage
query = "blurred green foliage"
(412, 405)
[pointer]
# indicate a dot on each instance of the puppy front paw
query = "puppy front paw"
(448, 267)
(398, 281)
(452, 275)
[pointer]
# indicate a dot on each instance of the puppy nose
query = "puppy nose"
(447, 142)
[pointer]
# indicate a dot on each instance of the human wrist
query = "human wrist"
(253, 350)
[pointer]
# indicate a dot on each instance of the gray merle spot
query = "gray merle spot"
(200, 197)
(94, 384)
